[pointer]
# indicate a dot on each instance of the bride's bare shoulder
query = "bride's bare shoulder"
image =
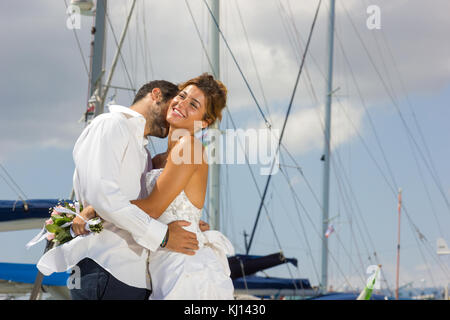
(188, 150)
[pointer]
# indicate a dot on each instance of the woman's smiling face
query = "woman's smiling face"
(188, 106)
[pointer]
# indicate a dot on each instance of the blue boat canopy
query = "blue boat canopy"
(26, 273)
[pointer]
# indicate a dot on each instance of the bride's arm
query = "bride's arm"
(176, 174)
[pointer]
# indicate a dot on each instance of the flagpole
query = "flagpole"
(398, 243)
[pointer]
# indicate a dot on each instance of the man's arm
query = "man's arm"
(98, 160)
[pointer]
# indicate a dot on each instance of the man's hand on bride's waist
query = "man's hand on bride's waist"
(181, 240)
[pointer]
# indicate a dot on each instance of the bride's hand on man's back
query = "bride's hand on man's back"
(204, 226)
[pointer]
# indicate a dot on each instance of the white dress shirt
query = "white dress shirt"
(110, 159)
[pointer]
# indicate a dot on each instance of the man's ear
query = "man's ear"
(156, 95)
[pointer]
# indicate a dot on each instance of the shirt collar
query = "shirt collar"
(116, 108)
(121, 109)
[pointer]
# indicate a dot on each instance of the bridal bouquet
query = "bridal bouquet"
(58, 228)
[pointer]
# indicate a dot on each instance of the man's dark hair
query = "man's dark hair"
(168, 90)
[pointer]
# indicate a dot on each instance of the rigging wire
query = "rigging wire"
(79, 45)
(120, 53)
(400, 114)
(300, 44)
(18, 190)
(381, 171)
(405, 92)
(349, 208)
(308, 184)
(353, 196)
(316, 197)
(413, 226)
(418, 127)
(146, 44)
(302, 226)
(427, 191)
(237, 64)
(285, 119)
(291, 223)
(312, 57)
(252, 59)
(409, 138)
(137, 44)
(12, 187)
(371, 122)
(337, 235)
(297, 198)
(132, 61)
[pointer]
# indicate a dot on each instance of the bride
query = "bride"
(177, 190)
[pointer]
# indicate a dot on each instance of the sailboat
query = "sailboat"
(245, 267)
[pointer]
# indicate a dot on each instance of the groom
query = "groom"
(110, 165)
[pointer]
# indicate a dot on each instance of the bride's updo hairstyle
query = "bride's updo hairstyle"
(215, 93)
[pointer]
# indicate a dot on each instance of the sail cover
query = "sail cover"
(14, 216)
(255, 282)
(242, 265)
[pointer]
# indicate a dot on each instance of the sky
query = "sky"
(390, 119)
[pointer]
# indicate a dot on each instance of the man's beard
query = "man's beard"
(159, 127)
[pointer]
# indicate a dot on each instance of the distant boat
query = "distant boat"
(442, 248)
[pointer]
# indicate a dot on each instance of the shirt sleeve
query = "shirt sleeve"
(98, 154)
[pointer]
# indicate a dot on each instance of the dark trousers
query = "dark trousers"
(99, 284)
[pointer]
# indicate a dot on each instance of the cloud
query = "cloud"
(44, 91)
(305, 129)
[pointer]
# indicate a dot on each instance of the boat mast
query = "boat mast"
(214, 168)
(398, 244)
(98, 55)
(326, 157)
(97, 65)
(95, 83)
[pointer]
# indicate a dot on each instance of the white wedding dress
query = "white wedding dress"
(203, 276)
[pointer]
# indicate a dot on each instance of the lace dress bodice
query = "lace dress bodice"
(181, 207)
